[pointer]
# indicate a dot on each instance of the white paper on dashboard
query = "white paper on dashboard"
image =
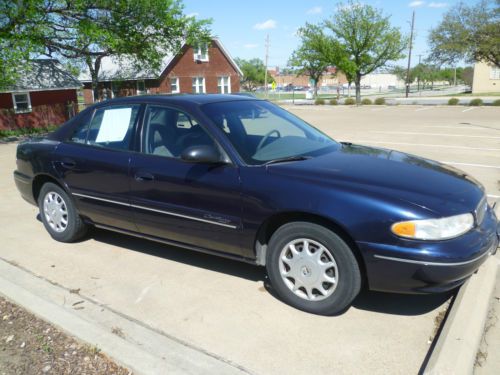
(114, 125)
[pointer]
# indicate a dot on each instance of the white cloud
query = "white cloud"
(250, 45)
(269, 24)
(438, 5)
(415, 4)
(315, 10)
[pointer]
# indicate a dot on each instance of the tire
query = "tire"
(321, 260)
(59, 214)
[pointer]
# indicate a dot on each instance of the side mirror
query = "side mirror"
(202, 154)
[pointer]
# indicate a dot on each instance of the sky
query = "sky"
(242, 26)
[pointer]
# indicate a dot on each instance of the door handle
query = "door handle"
(144, 176)
(68, 163)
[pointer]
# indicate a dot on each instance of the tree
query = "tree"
(311, 58)
(470, 33)
(254, 72)
(18, 31)
(84, 32)
(362, 41)
(467, 75)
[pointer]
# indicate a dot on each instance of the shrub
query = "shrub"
(453, 101)
(380, 101)
(476, 102)
(333, 102)
(496, 103)
(349, 101)
(319, 101)
(366, 101)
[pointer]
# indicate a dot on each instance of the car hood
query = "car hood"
(423, 182)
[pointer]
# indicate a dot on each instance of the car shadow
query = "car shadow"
(386, 303)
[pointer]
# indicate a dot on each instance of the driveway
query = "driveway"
(225, 307)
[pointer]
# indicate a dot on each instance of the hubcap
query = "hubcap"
(55, 211)
(308, 269)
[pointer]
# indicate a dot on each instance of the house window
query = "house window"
(201, 52)
(174, 85)
(495, 72)
(141, 87)
(22, 102)
(198, 85)
(224, 85)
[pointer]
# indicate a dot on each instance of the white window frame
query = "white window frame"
(495, 72)
(177, 85)
(141, 92)
(28, 101)
(221, 80)
(196, 86)
(198, 54)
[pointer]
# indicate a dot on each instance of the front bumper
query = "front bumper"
(430, 267)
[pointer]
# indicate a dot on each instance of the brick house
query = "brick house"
(45, 94)
(206, 69)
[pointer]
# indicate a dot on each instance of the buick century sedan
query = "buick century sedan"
(242, 178)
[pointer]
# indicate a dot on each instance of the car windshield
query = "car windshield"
(262, 132)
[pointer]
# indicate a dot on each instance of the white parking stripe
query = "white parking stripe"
(470, 127)
(423, 109)
(428, 145)
(438, 134)
(471, 165)
(468, 109)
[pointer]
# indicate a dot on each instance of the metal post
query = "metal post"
(409, 55)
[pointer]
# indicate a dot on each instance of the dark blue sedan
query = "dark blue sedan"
(242, 178)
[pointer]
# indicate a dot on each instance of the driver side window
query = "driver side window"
(168, 132)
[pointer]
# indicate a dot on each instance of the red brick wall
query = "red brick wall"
(185, 68)
(48, 108)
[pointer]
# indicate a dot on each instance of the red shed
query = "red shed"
(45, 94)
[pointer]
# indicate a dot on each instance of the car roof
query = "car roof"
(180, 99)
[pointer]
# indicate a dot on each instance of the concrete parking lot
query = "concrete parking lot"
(225, 308)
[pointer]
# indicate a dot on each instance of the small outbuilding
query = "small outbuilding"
(45, 94)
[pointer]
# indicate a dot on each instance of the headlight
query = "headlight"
(434, 229)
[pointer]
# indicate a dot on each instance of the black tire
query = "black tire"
(347, 272)
(75, 228)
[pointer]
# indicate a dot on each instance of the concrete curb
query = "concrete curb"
(457, 345)
(139, 348)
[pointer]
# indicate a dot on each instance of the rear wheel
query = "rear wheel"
(59, 215)
(312, 268)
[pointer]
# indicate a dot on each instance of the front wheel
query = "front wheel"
(312, 268)
(59, 215)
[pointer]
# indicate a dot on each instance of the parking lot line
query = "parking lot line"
(437, 134)
(471, 164)
(468, 109)
(423, 109)
(427, 145)
(471, 127)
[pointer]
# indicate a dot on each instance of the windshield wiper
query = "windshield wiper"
(284, 160)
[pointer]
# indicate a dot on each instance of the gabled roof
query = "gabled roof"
(115, 68)
(44, 74)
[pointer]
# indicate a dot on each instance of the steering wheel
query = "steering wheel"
(263, 140)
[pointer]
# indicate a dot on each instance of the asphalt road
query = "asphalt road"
(224, 307)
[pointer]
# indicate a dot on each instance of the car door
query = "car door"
(94, 163)
(192, 203)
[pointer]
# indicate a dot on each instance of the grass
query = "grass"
(26, 131)
(478, 94)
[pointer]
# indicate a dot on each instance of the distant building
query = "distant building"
(45, 94)
(486, 78)
(382, 81)
(208, 69)
(330, 78)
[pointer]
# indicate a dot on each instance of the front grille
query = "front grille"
(480, 211)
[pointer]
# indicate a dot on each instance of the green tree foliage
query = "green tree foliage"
(362, 41)
(254, 72)
(468, 32)
(311, 58)
(86, 31)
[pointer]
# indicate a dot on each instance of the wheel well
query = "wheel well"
(39, 181)
(270, 226)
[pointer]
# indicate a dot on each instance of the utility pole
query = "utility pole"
(409, 55)
(265, 74)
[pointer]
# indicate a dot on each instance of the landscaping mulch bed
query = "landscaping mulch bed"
(29, 345)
